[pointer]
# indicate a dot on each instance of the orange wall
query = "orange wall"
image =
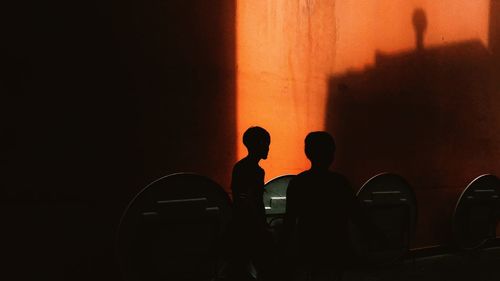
(287, 50)
(370, 25)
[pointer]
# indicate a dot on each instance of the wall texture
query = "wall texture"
(404, 86)
(100, 98)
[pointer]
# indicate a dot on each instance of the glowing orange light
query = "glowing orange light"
(287, 50)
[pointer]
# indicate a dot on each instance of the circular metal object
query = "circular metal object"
(477, 212)
(391, 208)
(172, 228)
(275, 195)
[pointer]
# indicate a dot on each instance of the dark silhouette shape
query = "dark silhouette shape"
(476, 213)
(390, 206)
(429, 116)
(173, 229)
(319, 206)
(420, 25)
(145, 89)
(251, 240)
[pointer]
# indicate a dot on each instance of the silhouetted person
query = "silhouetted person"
(319, 206)
(251, 238)
(420, 25)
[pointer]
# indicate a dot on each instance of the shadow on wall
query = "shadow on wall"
(429, 114)
(99, 100)
(181, 58)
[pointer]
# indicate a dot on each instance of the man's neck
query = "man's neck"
(319, 168)
(253, 159)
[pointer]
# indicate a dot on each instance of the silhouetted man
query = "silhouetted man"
(251, 237)
(319, 205)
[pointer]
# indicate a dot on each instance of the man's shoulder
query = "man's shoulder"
(299, 179)
(338, 176)
(339, 180)
(326, 179)
(238, 165)
(308, 174)
(242, 164)
(300, 176)
(245, 166)
(304, 174)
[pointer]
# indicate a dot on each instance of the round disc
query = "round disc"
(391, 208)
(275, 195)
(476, 212)
(173, 228)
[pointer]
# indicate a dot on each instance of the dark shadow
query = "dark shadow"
(250, 240)
(494, 31)
(420, 26)
(476, 214)
(174, 230)
(391, 209)
(320, 204)
(100, 99)
(180, 58)
(428, 114)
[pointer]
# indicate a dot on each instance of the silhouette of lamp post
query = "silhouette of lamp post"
(420, 25)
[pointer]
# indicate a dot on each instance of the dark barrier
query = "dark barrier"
(477, 213)
(173, 230)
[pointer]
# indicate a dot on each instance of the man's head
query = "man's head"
(257, 141)
(320, 149)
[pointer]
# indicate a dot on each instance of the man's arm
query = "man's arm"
(245, 186)
(239, 190)
(261, 210)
